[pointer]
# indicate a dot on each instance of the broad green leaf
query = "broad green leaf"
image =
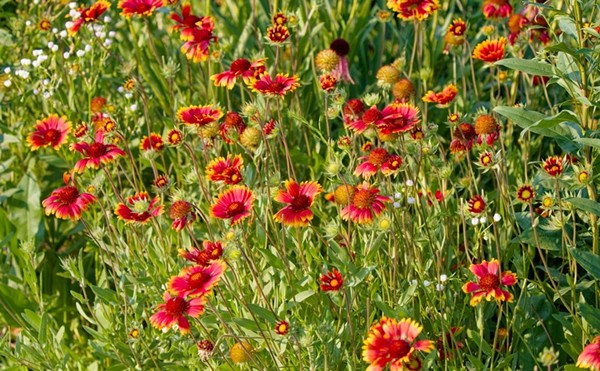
(557, 119)
(107, 295)
(589, 262)
(521, 116)
(529, 66)
(585, 204)
(301, 296)
(591, 315)
(567, 25)
(592, 142)
(27, 207)
(262, 312)
(13, 303)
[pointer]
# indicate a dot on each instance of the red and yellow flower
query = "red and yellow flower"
(553, 166)
(87, 15)
(476, 204)
(370, 118)
(130, 8)
(391, 341)
(226, 170)
(197, 280)
(332, 280)
(489, 282)
(198, 40)
(399, 118)
(282, 327)
(243, 68)
(174, 312)
(50, 131)
(490, 50)
(525, 193)
(496, 8)
(455, 35)
(67, 203)
(182, 213)
(278, 33)
(378, 159)
(96, 152)
(139, 208)
(279, 86)
(234, 204)
(199, 115)
(590, 356)
(299, 198)
(210, 251)
(186, 22)
(366, 204)
(414, 9)
(442, 98)
(154, 142)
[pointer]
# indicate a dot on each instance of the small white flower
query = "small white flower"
(46, 94)
(88, 48)
(46, 81)
(54, 30)
(112, 34)
(426, 283)
(128, 95)
(475, 221)
(69, 24)
(443, 278)
(36, 63)
(42, 58)
(414, 282)
(80, 53)
(120, 89)
(54, 48)
(397, 205)
(36, 2)
(7, 83)
(28, 23)
(36, 91)
(66, 55)
(37, 52)
(107, 42)
(439, 287)
(72, 5)
(63, 33)
(410, 183)
(482, 220)
(497, 217)
(398, 195)
(7, 70)
(411, 200)
(74, 14)
(22, 74)
(50, 44)
(133, 107)
(107, 19)
(25, 61)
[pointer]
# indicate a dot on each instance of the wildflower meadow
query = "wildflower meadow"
(299, 185)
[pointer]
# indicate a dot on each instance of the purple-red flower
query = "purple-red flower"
(590, 356)
(139, 208)
(96, 152)
(67, 203)
(197, 280)
(489, 282)
(299, 198)
(50, 131)
(174, 312)
(234, 204)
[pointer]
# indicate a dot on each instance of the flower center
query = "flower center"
(68, 195)
(371, 116)
(378, 156)
(239, 65)
(140, 206)
(52, 135)
(399, 349)
(300, 202)
(235, 208)
(179, 209)
(198, 279)
(232, 175)
(334, 283)
(96, 150)
(176, 306)
(363, 199)
(489, 282)
(276, 87)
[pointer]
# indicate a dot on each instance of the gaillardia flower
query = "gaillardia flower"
(391, 341)
(590, 356)
(299, 198)
(51, 131)
(490, 50)
(278, 86)
(476, 204)
(87, 15)
(553, 166)
(378, 158)
(399, 118)
(198, 40)
(197, 280)
(174, 312)
(182, 213)
(226, 170)
(234, 204)
(186, 22)
(278, 34)
(282, 327)
(414, 9)
(199, 115)
(332, 280)
(154, 142)
(525, 193)
(139, 208)
(95, 153)
(139, 7)
(240, 67)
(489, 282)
(455, 35)
(365, 204)
(496, 8)
(442, 98)
(67, 203)
(371, 117)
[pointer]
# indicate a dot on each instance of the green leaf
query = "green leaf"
(301, 296)
(567, 25)
(589, 262)
(528, 66)
(557, 119)
(521, 116)
(591, 315)
(592, 142)
(585, 204)
(27, 207)
(107, 295)
(262, 312)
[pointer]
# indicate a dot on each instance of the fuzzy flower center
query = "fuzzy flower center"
(378, 156)
(176, 306)
(399, 349)
(489, 282)
(371, 116)
(96, 150)
(300, 202)
(180, 209)
(276, 86)
(235, 208)
(334, 283)
(68, 195)
(140, 206)
(51, 135)
(198, 279)
(239, 65)
(364, 198)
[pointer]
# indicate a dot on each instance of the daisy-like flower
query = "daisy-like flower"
(490, 50)
(299, 198)
(391, 341)
(476, 204)
(486, 159)
(278, 34)
(279, 18)
(590, 356)
(327, 82)
(353, 110)
(197, 280)
(186, 22)
(525, 193)
(414, 9)
(365, 204)
(371, 117)
(198, 40)
(174, 312)
(240, 68)
(199, 115)
(154, 142)
(51, 131)
(96, 152)
(399, 118)
(332, 280)
(489, 284)
(226, 170)
(67, 203)
(282, 327)
(87, 15)
(174, 137)
(211, 251)
(182, 213)
(139, 208)
(205, 349)
(130, 8)
(496, 9)
(553, 166)
(234, 204)
(379, 158)
(232, 127)
(455, 35)
(278, 86)
(442, 98)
